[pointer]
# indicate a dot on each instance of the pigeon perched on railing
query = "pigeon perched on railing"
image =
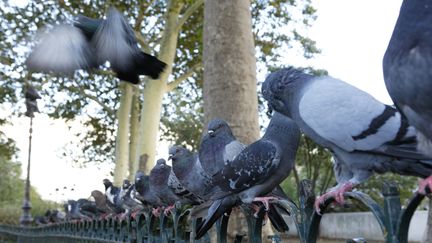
(91, 42)
(112, 194)
(127, 202)
(187, 168)
(101, 203)
(218, 146)
(256, 171)
(407, 72)
(158, 179)
(144, 193)
(364, 135)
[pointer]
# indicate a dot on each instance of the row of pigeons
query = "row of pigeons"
(224, 173)
(363, 135)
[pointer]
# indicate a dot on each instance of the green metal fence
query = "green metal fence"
(177, 227)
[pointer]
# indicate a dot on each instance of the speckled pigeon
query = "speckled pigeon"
(407, 71)
(89, 43)
(364, 135)
(112, 194)
(256, 171)
(218, 146)
(187, 168)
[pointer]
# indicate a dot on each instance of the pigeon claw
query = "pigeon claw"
(336, 193)
(423, 184)
(265, 201)
(156, 212)
(168, 209)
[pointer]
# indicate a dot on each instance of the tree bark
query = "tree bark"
(122, 138)
(230, 85)
(155, 89)
(134, 134)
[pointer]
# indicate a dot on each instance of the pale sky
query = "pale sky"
(353, 36)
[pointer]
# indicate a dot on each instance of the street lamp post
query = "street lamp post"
(31, 96)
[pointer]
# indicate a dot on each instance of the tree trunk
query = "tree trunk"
(122, 138)
(230, 86)
(155, 89)
(134, 134)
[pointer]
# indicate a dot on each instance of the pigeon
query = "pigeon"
(143, 192)
(363, 135)
(112, 194)
(218, 146)
(73, 212)
(101, 203)
(89, 43)
(158, 179)
(256, 171)
(407, 73)
(127, 201)
(187, 168)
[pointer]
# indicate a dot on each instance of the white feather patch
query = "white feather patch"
(232, 150)
(337, 111)
(64, 49)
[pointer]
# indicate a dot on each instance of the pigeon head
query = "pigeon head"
(107, 183)
(161, 162)
(177, 151)
(139, 175)
(126, 184)
(218, 126)
(280, 84)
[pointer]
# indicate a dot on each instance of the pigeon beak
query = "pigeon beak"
(170, 156)
(211, 133)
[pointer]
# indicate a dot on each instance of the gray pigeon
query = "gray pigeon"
(187, 168)
(158, 180)
(127, 201)
(256, 171)
(112, 194)
(364, 135)
(218, 146)
(144, 192)
(407, 71)
(91, 42)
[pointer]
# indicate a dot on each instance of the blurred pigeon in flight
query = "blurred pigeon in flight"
(187, 168)
(407, 71)
(218, 146)
(256, 171)
(89, 43)
(364, 135)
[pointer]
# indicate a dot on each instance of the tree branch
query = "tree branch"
(192, 8)
(172, 85)
(94, 98)
(142, 41)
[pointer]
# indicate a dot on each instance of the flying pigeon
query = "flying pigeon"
(407, 73)
(158, 179)
(218, 146)
(364, 135)
(187, 168)
(88, 43)
(256, 171)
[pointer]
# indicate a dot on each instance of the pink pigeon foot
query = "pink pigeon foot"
(337, 193)
(168, 209)
(134, 214)
(156, 212)
(425, 183)
(265, 201)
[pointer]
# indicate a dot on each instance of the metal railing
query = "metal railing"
(177, 227)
